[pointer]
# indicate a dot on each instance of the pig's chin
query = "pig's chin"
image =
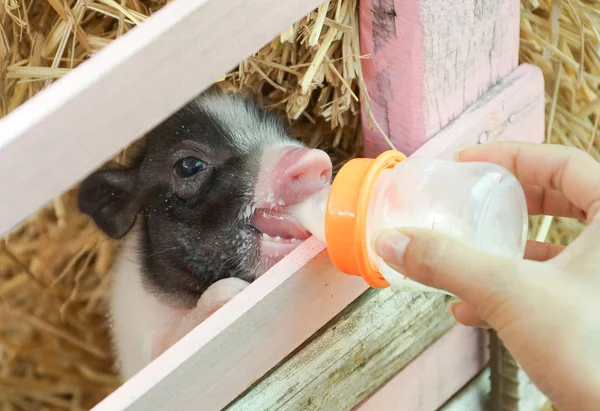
(280, 234)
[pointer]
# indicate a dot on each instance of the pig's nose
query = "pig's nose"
(301, 173)
(313, 167)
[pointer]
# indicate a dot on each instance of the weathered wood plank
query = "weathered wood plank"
(430, 59)
(450, 363)
(381, 332)
(68, 130)
(520, 96)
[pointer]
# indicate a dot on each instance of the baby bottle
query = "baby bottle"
(481, 204)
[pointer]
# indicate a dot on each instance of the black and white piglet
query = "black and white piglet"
(200, 210)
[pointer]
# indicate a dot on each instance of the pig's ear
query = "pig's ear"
(108, 197)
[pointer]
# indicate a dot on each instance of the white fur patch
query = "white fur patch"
(136, 315)
(241, 121)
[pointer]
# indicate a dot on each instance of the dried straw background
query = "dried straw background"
(54, 352)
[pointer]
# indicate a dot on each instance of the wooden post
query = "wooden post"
(429, 60)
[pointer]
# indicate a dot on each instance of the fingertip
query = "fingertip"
(465, 315)
(464, 154)
(457, 154)
(482, 152)
(391, 246)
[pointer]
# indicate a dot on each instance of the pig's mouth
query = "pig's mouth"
(280, 234)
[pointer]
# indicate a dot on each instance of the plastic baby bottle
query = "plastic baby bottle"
(479, 203)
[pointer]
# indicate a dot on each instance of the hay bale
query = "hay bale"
(562, 37)
(54, 344)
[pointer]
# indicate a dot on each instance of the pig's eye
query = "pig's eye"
(188, 167)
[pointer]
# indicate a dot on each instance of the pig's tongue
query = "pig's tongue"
(278, 224)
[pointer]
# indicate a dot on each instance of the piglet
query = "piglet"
(199, 212)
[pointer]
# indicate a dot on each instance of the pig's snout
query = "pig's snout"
(300, 173)
(291, 174)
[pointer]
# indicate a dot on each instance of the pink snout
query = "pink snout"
(291, 174)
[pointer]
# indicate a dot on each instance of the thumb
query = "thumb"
(440, 261)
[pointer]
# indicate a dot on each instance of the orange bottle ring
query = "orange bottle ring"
(347, 212)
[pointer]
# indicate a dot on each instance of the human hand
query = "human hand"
(545, 308)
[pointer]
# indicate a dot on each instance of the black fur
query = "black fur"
(191, 233)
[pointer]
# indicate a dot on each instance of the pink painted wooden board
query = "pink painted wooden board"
(243, 340)
(68, 130)
(428, 60)
(497, 119)
(435, 375)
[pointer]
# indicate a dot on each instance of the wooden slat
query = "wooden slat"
(53, 140)
(381, 332)
(514, 111)
(449, 364)
(242, 341)
(429, 59)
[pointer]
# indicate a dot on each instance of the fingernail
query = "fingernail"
(450, 306)
(457, 155)
(391, 246)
